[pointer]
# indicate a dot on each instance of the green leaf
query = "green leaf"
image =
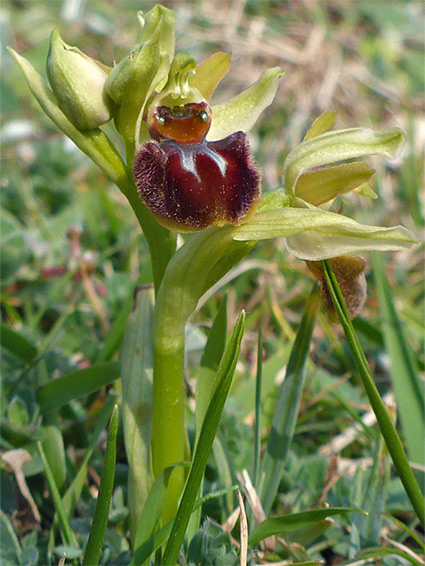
(318, 187)
(206, 382)
(317, 234)
(92, 142)
(101, 513)
(257, 428)
(334, 147)
(17, 344)
(287, 406)
(386, 426)
(207, 373)
(380, 552)
(10, 549)
(150, 518)
(72, 494)
(54, 451)
(136, 371)
(289, 523)
(66, 531)
(76, 384)
(321, 125)
(161, 536)
(243, 110)
(409, 391)
(206, 438)
(210, 72)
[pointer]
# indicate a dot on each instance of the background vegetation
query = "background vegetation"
(72, 255)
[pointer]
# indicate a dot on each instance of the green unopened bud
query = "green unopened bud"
(158, 17)
(120, 75)
(78, 83)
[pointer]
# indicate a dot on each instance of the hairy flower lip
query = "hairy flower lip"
(191, 187)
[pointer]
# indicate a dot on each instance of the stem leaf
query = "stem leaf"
(287, 407)
(101, 513)
(76, 384)
(289, 523)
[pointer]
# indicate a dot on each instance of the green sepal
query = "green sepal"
(242, 111)
(341, 145)
(318, 187)
(314, 234)
(93, 143)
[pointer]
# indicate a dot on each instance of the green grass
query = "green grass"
(65, 301)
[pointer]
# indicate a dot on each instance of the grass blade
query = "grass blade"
(286, 411)
(156, 540)
(257, 429)
(76, 384)
(66, 531)
(210, 361)
(392, 440)
(294, 522)
(150, 518)
(101, 513)
(408, 390)
(17, 344)
(206, 438)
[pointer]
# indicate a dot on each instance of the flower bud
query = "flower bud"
(349, 272)
(119, 76)
(78, 83)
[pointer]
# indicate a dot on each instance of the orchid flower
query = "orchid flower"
(188, 168)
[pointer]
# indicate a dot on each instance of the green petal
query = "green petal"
(314, 234)
(92, 142)
(242, 111)
(321, 125)
(334, 147)
(318, 187)
(210, 72)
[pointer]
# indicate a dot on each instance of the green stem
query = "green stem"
(204, 257)
(392, 440)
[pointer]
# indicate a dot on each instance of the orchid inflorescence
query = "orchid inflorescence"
(197, 170)
(188, 168)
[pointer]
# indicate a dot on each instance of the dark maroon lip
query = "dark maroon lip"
(190, 187)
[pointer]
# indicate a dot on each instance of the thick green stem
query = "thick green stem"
(203, 259)
(168, 426)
